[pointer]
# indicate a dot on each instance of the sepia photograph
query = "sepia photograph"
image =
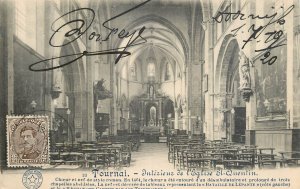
(149, 94)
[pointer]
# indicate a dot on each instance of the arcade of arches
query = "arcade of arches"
(185, 75)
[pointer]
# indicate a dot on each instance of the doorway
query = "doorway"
(239, 125)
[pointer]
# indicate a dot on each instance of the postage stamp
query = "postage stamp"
(27, 141)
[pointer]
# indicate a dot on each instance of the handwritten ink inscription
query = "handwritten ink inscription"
(272, 38)
(74, 29)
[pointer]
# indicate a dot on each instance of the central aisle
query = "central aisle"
(151, 156)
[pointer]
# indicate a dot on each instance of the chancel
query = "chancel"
(194, 88)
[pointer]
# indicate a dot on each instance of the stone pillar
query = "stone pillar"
(185, 116)
(229, 117)
(190, 129)
(222, 112)
(159, 113)
(117, 121)
(6, 70)
(126, 116)
(92, 66)
(290, 66)
(209, 121)
(247, 83)
(176, 118)
(251, 105)
(142, 114)
(9, 52)
(78, 118)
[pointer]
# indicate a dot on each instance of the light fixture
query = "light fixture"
(232, 111)
(266, 103)
(33, 104)
(68, 111)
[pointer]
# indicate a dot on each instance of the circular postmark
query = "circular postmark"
(32, 179)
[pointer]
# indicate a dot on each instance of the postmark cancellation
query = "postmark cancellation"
(27, 141)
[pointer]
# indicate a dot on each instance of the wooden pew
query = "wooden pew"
(290, 158)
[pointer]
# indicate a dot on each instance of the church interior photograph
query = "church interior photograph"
(189, 84)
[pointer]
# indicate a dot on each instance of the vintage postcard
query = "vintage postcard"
(155, 94)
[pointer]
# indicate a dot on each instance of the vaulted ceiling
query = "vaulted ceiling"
(163, 42)
(165, 31)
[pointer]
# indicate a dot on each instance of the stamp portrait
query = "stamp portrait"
(27, 141)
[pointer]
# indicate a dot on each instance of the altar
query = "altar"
(151, 134)
(149, 113)
(151, 130)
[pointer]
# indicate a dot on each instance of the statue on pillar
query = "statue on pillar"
(245, 78)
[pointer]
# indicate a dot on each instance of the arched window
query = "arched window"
(124, 72)
(151, 69)
(26, 22)
(178, 71)
(168, 72)
(132, 71)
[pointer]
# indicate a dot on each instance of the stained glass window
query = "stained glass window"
(168, 72)
(151, 69)
(132, 70)
(26, 18)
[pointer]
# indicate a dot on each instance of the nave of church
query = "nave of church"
(183, 84)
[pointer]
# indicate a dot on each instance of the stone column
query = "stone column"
(78, 127)
(6, 70)
(8, 50)
(176, 118)
(125, 115)
(247, 84)
(90, 112)
(290, 66)
(142, 114)
(222, 111)
(185, 117)
(190, 129)
(209, 70)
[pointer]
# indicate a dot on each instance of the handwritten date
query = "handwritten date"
(272, 38)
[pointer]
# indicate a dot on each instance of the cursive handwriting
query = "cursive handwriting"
(74, 29)
(272, 38)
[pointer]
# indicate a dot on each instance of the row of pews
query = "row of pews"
(111, 151)
(196, 153)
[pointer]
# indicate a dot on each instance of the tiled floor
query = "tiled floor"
(151, 155)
